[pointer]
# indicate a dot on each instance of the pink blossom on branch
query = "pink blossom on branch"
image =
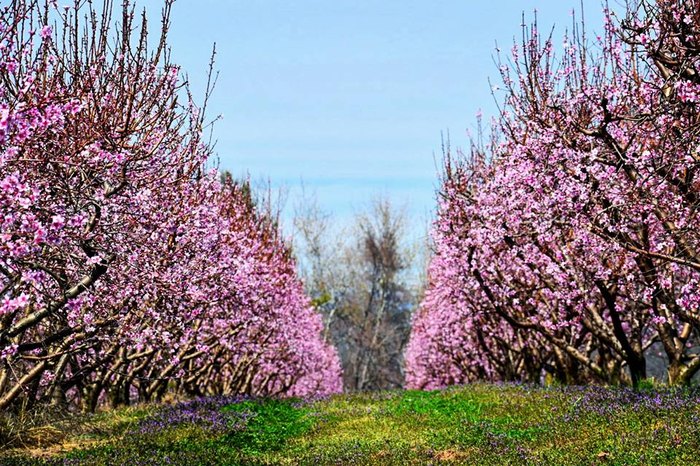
(126, 268)
(574, 246)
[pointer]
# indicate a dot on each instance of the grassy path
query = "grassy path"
(475, 425)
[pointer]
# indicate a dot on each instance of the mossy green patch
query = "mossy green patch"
(268, 426)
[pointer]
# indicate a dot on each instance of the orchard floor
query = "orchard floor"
(473, 425)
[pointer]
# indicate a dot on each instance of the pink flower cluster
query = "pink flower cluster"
(570, 247)
(127, 269)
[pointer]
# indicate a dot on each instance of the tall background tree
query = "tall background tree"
(363, 282)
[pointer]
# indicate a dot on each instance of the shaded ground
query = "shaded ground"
(475, 425)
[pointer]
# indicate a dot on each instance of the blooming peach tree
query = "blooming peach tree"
(572, 249)
(126, 267)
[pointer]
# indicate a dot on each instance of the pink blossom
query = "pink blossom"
(46, 32)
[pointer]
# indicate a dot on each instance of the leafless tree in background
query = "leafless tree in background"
(360, 279)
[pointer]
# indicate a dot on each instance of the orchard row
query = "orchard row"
(128, 268)
(569, 246)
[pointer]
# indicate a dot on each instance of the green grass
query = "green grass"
(475, 425)
(271, 424)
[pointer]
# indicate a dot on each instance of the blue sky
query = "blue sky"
(350, 95)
